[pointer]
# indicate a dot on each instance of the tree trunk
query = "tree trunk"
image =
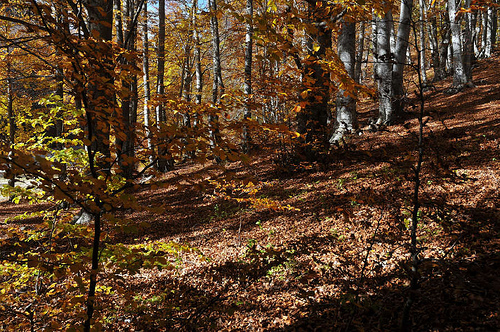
(247, 85)
(360, 45)
(99, 105)
(163, 164)
(494, 26)
(160, 86)
(438, 68)
(147, 86)
(468, 46)
(117, 10)
(400, 52)
(489, 29)
(346, 118)
(218, 85)
(384, 69)
(312, 119)
(198, 71)
(374, 46)
(459, 75)
(423, 59)
(125, 141)
(445, 46)
(10, 112)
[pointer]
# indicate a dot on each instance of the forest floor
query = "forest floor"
(333, 254)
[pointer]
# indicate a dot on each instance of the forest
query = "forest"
(249, 165)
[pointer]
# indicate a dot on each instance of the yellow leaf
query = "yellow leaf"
(271, 6)
(316, 47)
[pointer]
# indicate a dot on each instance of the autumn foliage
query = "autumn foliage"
(160, 174)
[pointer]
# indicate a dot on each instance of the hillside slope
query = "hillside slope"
(332, 255)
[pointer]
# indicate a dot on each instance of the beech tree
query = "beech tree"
(146, 80)
(346, 117)
(402, 41)
(313, 116)
(247, 88)
(459, 75)
(384, 59)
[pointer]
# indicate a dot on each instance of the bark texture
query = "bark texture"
(346, 118)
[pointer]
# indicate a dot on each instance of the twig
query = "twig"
(363, 269)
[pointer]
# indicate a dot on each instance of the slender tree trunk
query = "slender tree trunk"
(459, 75)
(247, 85)
(197, 61)
(360, 45)
(118, 20)
(374, 46)
(494, 25)
(392, 32)
(434, 41)
(468, 46)
(163, 164)
(444, 48)
(489, 29)
(186, 83)
(384, 69)
(400, 52)
(423, 59)
(147, 86)
(218, 85)
(125, 141)
(10, 112)
(187, 74)
(160, 86)
(99, 104)
(346, 118)
(476, 36)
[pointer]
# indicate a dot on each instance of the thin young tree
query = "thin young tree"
(146, 78)
(217, 83)
(197, 58)
(247, 85)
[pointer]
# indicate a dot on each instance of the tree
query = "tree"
(247, 85)
(217, 83)
(314, 97)
(422, 43)
(459, 75)
(197, 58)
(402, 40)
(127, 118)
(346, 117)
(384, 60)
(145, 79)
(360, 45)
(161, 116)
(468, 43)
